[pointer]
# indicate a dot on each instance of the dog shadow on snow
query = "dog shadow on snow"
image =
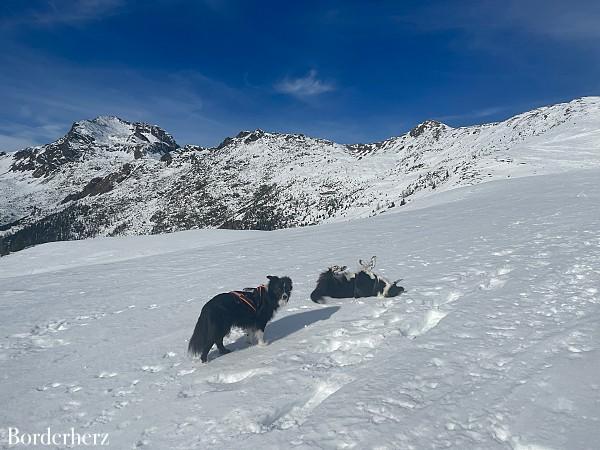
(287, 325)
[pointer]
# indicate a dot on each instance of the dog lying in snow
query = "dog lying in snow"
(250, 309)
(338, 282)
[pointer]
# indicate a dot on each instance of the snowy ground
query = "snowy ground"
(495, 344)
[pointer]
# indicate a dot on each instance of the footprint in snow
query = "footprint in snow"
(422, 324)
(152, 369)
(106, 375)
(236, 377)
(494, 282)
(296, 413)
(504, 270)
(48, 386)
(453, 296)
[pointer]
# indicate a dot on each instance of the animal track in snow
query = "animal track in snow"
(236, 377)
(152, 369)
(50, 327)
(494, 282)
(453, 296)
(296, 414)
(420, 325)
(346, 347)
(504, 270)
(37, 331)
(106, 375)
(348, 343)
(406, 402)
(123, 310)
(48, 386)
(39, 336)
(40, 342)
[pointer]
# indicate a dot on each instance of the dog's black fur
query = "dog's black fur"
(337, 282)
(227, 310)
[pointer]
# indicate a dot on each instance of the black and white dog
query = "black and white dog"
(250, 309)
(338, 282)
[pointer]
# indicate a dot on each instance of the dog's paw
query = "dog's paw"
(262, 343)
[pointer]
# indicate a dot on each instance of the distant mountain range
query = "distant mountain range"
(109, 177)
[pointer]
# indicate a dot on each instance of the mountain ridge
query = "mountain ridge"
(108, 176)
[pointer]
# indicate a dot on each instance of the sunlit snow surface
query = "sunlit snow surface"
(494, 345)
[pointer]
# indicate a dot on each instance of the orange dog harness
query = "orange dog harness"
(254, 302)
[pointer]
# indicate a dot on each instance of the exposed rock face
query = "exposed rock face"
(101, 185)
(111, 177)
(432, 126)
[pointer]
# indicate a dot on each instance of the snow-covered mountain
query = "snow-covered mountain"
(110, 177)
(495, 345)
(91, 139)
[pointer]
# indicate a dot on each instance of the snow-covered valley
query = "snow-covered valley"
(494, 345)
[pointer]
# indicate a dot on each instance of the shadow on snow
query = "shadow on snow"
(285, 326)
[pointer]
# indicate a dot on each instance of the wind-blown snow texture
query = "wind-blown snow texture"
(495, 345)
(109, 177)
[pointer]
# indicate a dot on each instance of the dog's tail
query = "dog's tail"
(316, 296)
(199, 338)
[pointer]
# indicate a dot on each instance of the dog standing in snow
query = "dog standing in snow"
(250, 309)
(338, 282)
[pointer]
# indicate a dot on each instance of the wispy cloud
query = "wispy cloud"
(50, 13)
(304, 87)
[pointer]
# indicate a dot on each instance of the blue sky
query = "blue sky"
(344, 70)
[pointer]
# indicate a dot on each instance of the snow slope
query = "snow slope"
(495, 345)
(55, 256)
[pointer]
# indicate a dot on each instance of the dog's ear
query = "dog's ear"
(368, 265)
(272, 277)
(397, 281)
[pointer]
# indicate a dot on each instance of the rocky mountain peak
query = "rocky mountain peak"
(113, 131)
(243, 137)
(87, 138)
(429, 126)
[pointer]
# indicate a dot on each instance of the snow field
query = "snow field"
(494, 345)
